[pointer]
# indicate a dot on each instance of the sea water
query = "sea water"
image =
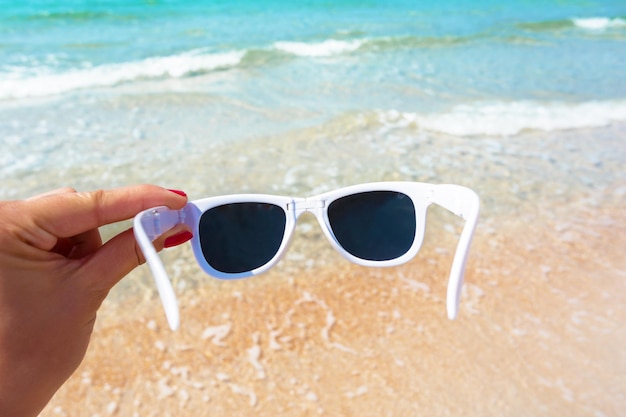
(120, 83)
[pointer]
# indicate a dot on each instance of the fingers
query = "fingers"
(79, 246)
(85, 244)
(63, 190)
(119, 256)
(70, 214)
(67, 222)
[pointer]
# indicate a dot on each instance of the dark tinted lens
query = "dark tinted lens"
(375, 225)
(240, 237)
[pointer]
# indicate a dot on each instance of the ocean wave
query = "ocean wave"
(325, 48)
(511, 118)
(587, 23)
(332, 47)
(18, 84)
(599, 23)
(41, 81)
(45, 79)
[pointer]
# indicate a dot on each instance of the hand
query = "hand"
(54, 274)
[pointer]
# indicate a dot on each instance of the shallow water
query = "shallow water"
(541, 320)
(541, 323)
(540, 332)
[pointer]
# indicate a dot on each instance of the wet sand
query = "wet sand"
(541, 330)
(537, 131)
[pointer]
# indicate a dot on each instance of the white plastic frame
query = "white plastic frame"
(152, 223)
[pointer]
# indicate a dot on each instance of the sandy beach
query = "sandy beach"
(524, 103)
(541, 329)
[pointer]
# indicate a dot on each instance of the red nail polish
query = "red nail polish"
(177, 239)
(179, 192)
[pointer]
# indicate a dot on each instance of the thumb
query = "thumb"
(119, 256)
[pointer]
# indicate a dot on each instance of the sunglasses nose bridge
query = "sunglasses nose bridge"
(306, 204)
(315, 206)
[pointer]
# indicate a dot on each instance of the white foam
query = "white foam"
(598, 23)
(511, 118)
(45, 83)
(217, 333)
(328, 47)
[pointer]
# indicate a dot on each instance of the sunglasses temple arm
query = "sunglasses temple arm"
(149, 225)
(464, 203)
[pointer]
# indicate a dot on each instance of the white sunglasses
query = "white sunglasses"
(374, 224)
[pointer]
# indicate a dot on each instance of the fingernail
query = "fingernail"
(177, 239)
(179, 192)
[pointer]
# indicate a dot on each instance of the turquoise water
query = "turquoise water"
(458, 49)
(108, 83)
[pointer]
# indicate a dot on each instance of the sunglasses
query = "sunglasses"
(375, 224)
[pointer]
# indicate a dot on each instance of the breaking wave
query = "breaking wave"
(22, 84)
(511, 118)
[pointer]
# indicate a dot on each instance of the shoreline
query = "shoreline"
(540, 324)
(306, 160)
(535, 335)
